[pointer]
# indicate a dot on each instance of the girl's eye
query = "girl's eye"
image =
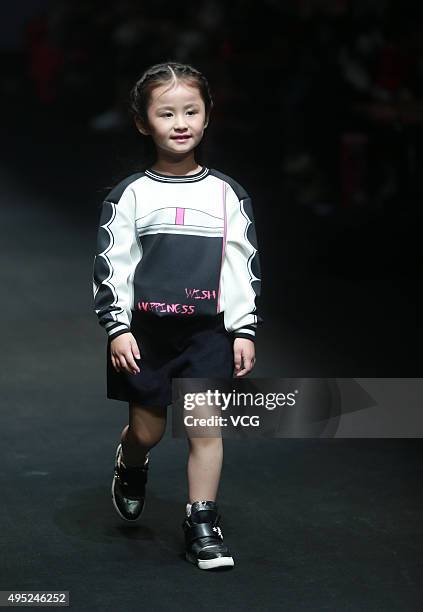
(169, 114)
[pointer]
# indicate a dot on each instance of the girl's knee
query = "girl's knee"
(144, 437)
(147, 425)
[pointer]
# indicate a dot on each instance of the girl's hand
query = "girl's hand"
(244, 350)
(123, 349)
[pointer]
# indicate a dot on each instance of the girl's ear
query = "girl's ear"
(141, 127)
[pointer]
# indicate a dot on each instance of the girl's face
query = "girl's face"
(176, 117)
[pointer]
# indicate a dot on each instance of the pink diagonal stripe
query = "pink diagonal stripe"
(223, 241)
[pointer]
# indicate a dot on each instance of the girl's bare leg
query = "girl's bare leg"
(205, 455)
(204, 468)
(146, 428)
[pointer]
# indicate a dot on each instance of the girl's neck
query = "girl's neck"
(180, 167)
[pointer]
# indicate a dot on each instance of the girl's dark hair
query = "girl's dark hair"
(161, 74)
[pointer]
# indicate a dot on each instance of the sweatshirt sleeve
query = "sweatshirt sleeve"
(117, 254)
(241, 277)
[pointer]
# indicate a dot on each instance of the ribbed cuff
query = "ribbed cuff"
(248, 332)
(115, 329)
(118, 333)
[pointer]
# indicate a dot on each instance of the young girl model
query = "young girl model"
(176, 277)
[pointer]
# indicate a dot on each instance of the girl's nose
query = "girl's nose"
(180, 123)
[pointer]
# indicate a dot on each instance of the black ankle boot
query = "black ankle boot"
(203, 537)
(128, 488)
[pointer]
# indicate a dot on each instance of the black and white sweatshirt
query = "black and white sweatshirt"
(177, 246)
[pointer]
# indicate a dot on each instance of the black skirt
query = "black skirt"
(171, 347)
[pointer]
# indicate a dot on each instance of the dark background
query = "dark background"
(318, 114)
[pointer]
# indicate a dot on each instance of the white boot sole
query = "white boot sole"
(210, 563)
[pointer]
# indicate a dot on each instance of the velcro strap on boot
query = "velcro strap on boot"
(200, 530)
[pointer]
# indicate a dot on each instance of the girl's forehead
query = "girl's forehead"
(180, 92)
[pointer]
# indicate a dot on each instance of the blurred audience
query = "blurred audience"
(338, 83)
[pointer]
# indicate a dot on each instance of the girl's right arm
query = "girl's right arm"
(122, 352)
(117, 254)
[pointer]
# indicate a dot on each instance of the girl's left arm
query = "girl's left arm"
(241, 274)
